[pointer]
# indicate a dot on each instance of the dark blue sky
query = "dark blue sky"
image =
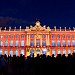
(50, 12)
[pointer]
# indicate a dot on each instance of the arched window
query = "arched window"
(63, 36)
(6, 52)
(31, 36)
(22, 51)
(11, 36)
(73, 42)
(54, 52)
(11, 52)
(72, 36)
(11, 43)
(64, 51)
(6, 43)
(16, 52)
(69, 43)
(69, 51)
(32, 43)
(1, 43)
(17, 42)
(43, 42)
(63, 43)
(17, 36)
(37, 42)
(22, 43)
(43, 36)
(59, 51)
(58, 43)
(53, 43)
(22, 36)
(0, 51)
(58, 36)
(52, 35)
(68, 36)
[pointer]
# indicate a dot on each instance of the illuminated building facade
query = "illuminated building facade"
(38, 40)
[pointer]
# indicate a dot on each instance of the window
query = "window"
(11, 43)
(43, 42)
(58, 43)
(22, 43)
(72, 36)
(32, 43)
(64, 51)
(22, 51)
(0, 51)
(58, 36)
(63, 36)
(17, 36)
(6, 52)
(63, 43)
(22, 36)
(53, 43)
(31, 36)
(16, 42)
(54, 52)
(11, 52)
(69, 43)
(6, 43)
(73, 42)
(69, 51)
(1, 36)
(68, 36)
(37, 42)
(59, 51)
(11, 36)
(52, 35)
(43, 36)
(1, 43)
(6, 36)
(16, 52)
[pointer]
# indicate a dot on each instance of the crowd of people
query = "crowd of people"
(42, 64)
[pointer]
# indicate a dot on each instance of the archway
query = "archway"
(22, 51)
(38, 51)
(31, 52)
(44, 50)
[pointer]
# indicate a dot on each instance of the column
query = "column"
(35, 40)
(48, 40)
(29, 40)
(41, 41)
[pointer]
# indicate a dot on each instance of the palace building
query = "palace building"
(38, 40)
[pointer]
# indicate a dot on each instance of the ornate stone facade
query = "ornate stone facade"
(38, 40)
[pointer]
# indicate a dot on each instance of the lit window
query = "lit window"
(22, 36)
(44, 50)
(59, 51)
(54, 52)
(37, 42)
(11, 43)
(22, 43)
(1, 43)
(69, 43)
(52, 35)
(68, 36)
(43, 42)
(16, 52)
(58, 43)
(22, 52)
(43, 36)
(73, 42)
(1, 36)
(6, 43)
(11, 52)
(11, 36)
(63, 36)
(16, 42)
(63, 43)
(72, 36)
(31, 36)
(0, 51)
(53, 43)
(6, 52)
(32, 43)
(6, 36)
(64, 51)
(58, 36)
(69, 51)
(31, 52)
(17, 36)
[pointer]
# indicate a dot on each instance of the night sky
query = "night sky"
(49, 12)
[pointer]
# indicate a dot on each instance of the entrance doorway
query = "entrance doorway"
(31, 53)
(44, 50)
(38, 52)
